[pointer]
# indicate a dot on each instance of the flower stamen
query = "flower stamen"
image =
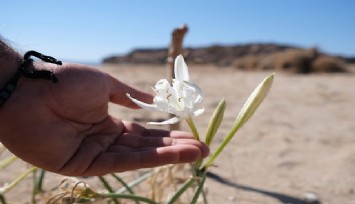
(169, 97)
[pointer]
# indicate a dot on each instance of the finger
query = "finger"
(119, 90)
(119, 162)
(126, 149)
(140, 130)
(137, 141)
(172, 134)
(133, 128)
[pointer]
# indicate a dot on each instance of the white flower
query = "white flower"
(183, 98)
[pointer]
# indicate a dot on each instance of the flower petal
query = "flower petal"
(181, 70)
(142, 104)
(198, 112)
(192, 86)
(166, 122)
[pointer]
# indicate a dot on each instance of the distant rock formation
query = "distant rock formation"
(292, 60)
(257, 56)
(218, 54)
(140, 56)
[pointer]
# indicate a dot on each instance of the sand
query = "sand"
(300, 140)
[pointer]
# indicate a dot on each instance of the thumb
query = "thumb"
(118, 91)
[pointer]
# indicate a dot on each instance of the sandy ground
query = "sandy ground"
(300, 140)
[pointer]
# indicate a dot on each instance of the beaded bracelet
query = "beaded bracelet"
(10, 86)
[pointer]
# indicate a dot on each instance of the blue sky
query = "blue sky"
(91, 30)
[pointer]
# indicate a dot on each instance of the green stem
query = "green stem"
(197, 166)
(128, 196)
(39, 181)
(34, 174)
(18, 180)
(2, 199)
(192, 126)
(135, 182)
(4, 163)
(199, 189)
(221, 147)
(226, 140)
(183, 188)
(124, 184)
(204, 196)
(105, 183)
(108, 187)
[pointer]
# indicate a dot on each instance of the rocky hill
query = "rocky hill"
(255, 56)
(217, 54)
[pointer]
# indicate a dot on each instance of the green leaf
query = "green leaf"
(181, 190)
(2, 199)
(128, 196)
(17, 180)
(108, 187)
(38, 187)
(106, 184)
(215, 121)
(249, 108)
(121, 181)
(6, 162)
(135, 182)
(199, 189)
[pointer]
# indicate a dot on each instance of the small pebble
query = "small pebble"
(311, 198)
(232, 198)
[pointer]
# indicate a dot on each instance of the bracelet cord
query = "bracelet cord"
(10, 86)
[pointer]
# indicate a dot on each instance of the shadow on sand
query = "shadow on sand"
(286, 199)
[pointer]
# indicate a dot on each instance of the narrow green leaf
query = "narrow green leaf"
(250, 106)
(2, 199)
(5, 162)
(204, 196)
(6, 188)
(128, 196)
(108, 187)
(199, 189)
(135, 182)
(182, 189)
(215, 121)
(121, 181)
(39, 181)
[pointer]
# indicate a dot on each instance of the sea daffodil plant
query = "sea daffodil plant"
(184, 99)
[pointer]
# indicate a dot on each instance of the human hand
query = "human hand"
(65, 127)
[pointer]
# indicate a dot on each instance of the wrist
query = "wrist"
(24, 69)
(8, 67)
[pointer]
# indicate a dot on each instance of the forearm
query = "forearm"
(10, 60)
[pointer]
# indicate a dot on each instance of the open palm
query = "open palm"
(65, 127)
